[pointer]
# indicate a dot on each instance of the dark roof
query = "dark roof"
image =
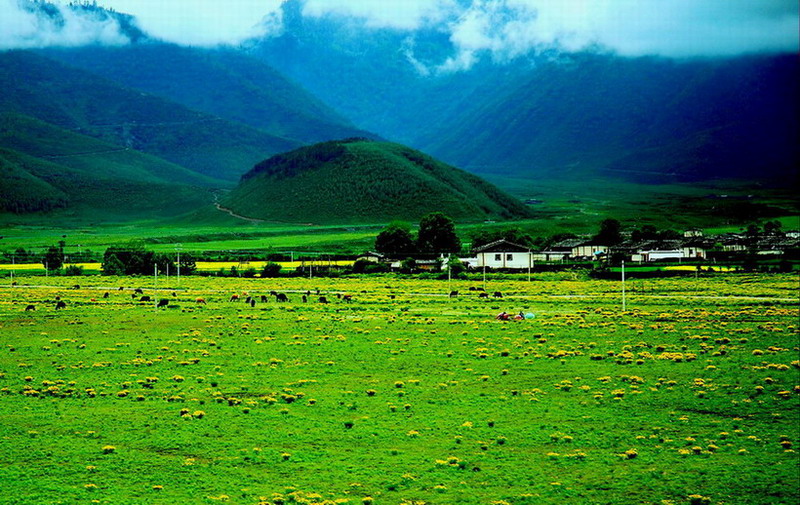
(502, 246)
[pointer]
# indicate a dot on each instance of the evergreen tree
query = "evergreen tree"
(395, 240)
(113, 266)
(53, 258)
(437, 234)
(610, 232)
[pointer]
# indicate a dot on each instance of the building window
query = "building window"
(509, 257)
(498, 257)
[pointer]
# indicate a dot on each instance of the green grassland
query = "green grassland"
(404, 395)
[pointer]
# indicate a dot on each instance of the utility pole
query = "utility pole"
(449, 277)
(178, 248)
(155, 286)
(623, 286)
(530, 264)
(483, 260)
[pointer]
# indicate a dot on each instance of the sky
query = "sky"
(500, 29)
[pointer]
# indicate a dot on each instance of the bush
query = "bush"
(73, 270)
(271, 270)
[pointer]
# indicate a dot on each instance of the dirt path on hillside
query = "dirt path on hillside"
(231, 213)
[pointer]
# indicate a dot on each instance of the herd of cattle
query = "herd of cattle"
(139, 296)
(251, 300)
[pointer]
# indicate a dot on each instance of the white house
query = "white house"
(560, 251)
(504, 254)
(588, 250)
(655, 250)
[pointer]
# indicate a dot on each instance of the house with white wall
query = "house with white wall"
(504, 254)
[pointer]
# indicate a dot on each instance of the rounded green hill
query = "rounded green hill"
(359, 180)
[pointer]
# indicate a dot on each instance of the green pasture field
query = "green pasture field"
(404, 396)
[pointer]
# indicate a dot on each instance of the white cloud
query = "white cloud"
(203, 22)
(397, 14)
(504, 29)
(497, 29)
(21, 28)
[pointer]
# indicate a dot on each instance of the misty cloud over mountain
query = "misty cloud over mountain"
(499, 30)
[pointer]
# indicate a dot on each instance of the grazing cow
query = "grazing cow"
(264, 299)
(498, 294)
(247, 300)
(304, 298)
(163, 303)
(61, 305)
(30, 307)
(174, 294)
(252, 302)
(105, 295)
(76, 286)
(120, 288)
(234, 298)
(273, 293)
(145, 299)
(339, 296)
(201, 301)
(347, 298)
(392, 297)
(479, 289)
(58, 298)
(138, 291)
(133, 296)
(472, 288)
(453, 294)
(281, 297)
(483, 295)
(92, 299)
(322, 299)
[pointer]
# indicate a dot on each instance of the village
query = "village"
(694, 248)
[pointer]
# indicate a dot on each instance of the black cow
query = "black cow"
(498, 294)
(61, 305)
(264, 299)
(163, 303)
(138, 291)
(145, 299)
(76, 286)
(30, 307)
(281, 297)
(347, 298)
(252, 302)
(453, 294)
(322, 299)
(105, 295)
(483, 295)
(304, 298)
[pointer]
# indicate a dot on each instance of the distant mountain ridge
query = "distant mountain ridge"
(555, 114)
(359, 180)
(76, 100)
(223, 82)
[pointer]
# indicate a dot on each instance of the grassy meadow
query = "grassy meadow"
(404, 396)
